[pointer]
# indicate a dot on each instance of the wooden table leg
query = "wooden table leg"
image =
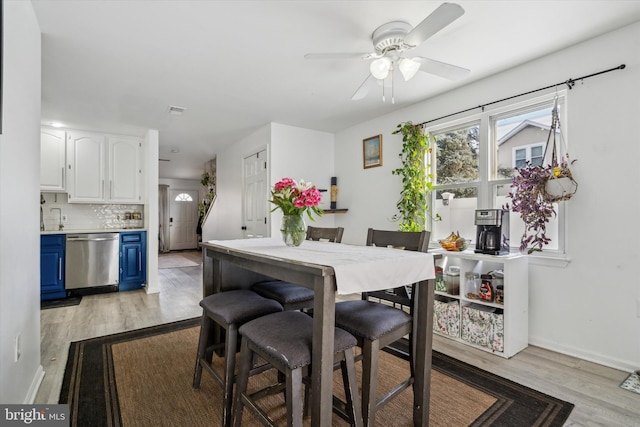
(207, 272)
(423, 342)
(322, 357)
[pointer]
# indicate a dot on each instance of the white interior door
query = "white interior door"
(183, 219)
(255, 214)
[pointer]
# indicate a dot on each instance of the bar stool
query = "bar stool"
(289, 295)
(287, 348)
(377, 325)
(229, 310)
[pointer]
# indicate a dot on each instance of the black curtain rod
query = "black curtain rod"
(570, 84)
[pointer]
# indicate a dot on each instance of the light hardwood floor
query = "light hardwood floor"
(594, 389)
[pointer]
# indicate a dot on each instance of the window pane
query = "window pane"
(456, 215)
(521, 158)
(457, 155)
(536, 155)
(183, 197)
(523, 132)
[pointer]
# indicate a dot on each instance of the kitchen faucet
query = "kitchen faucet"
(60, 225)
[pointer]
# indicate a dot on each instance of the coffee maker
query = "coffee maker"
(492, 236)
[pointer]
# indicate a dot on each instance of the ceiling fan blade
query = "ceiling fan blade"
(441, 69)
(363, 90)
(444, 15)
(361, 55)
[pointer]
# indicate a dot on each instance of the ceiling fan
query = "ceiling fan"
(392, 40)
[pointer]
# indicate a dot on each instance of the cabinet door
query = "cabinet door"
(124, 170)
(52, 160)
(86, 167)
(133, 260)
(52, 267)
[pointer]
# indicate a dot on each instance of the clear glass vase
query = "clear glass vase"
(293, 230)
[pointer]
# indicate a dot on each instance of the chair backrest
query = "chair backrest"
(408, 240)
(411, 241)
(323, 233)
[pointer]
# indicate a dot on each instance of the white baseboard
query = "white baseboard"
(35, 386)
(600, 359)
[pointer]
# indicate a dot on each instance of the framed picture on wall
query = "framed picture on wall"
(372, 151)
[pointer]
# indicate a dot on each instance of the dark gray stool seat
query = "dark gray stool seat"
(284, 340)
(290, 296)
(369, 320)
(229, 310)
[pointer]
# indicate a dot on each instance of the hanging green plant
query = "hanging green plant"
(208, 180)
(416, 179)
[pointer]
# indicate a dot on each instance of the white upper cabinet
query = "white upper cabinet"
(124, 169)
(103, 168)
(52, 160)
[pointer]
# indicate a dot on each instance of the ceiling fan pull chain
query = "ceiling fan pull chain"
(393, 100)
(383, 98)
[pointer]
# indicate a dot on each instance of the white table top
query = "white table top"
(357, 268)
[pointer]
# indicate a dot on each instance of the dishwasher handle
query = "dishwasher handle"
(90, 239)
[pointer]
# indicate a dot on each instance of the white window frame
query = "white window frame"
(487, 185)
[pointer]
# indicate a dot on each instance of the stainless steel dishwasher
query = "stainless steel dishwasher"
(91, 260)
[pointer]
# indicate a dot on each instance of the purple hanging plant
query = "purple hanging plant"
(531, 201)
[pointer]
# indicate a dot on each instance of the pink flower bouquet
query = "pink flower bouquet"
(295, 199)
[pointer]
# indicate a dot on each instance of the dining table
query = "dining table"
(331, 269)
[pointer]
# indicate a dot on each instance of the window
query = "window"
(184, 197)
(474, 158)
(531, 154)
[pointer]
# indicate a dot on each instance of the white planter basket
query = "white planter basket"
(561, 188)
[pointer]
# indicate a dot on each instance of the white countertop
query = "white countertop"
(98, 230)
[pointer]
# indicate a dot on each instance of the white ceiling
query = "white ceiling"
(116, 65)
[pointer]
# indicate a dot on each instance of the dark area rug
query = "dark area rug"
(143, 377)
(63, 302)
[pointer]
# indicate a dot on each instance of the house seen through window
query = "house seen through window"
(474, 159)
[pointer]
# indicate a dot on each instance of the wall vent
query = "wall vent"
(176, 111)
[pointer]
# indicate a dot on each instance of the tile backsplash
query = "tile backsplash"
(85, 216)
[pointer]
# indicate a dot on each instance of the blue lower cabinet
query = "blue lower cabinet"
(133, 260)
(52, 267)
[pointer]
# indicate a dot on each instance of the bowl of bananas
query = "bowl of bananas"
(454, 242)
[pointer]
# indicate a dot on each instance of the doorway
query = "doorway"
(183, 219)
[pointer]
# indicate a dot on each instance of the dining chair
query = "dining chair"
(292, 296)
(229, 310)
(378, 323)
(289, 350)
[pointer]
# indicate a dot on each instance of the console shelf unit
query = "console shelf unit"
(504, 332)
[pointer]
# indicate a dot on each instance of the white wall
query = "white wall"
(293, 152)
(151, 217)
(225, 219)
(301, 154)
(181, 184)
(590, 308)
(19, 222)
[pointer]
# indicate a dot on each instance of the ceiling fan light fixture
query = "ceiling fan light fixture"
(380, 68)
(408, 67)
